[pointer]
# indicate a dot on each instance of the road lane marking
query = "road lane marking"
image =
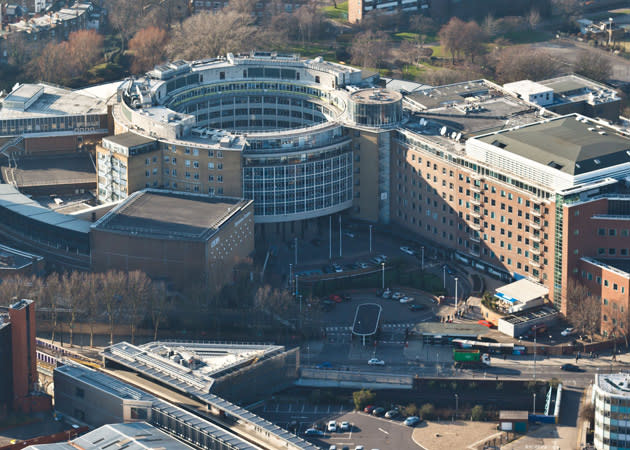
(386, 432)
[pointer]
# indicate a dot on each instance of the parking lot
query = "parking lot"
(367, 430)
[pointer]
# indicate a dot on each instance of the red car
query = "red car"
(336, 298)
(369, 408)
(485, 323)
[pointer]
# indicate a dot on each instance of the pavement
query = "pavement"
(461, 434)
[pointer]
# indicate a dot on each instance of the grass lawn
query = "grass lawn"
(621, 11)
(527, 37)
(312, 49)
(338, 13)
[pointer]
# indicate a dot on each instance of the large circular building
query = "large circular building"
(268, 127)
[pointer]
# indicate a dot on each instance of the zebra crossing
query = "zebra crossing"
(345, 329)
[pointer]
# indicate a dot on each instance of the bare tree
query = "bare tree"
(50, 297)
(74, 293)
(533, 19)
(114, 287)
(148, 47)
(369, 48)
(583, 308)
(159, 305)
(94, 301)
(593, 64)
(490, 26)
(124, 17)
(211, 34)
(519, 63)
(459, 37)
(137, 299)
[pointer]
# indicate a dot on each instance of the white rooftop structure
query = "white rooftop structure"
(617, 384)
(522, 294)
(531, 91)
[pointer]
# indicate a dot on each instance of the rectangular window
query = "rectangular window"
(210, 165)
(79, 392)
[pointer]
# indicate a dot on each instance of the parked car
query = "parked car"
(332, 426)
(378, 411)
(412, 421)
(567, 332)
(313, 432)
(349, 234)
(417, 307)
(369, 408)
(397, 295)
(387, 293)
(406, 299)
(382, 257)
(571, 368)
(376, 261)
(376, 362)
(407, 250)
(337, 268)
(332, 447)
(346, 298)
(328, 269)
(324, 365)
(359, 447)
(345, 426)
(362, 265)
(485, 323)
(391, 413)
(335, 298)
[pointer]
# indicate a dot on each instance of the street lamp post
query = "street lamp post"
(535, 334)
(383, 275)
(296, 286)
(370, 239)
(456, 405)
(422, 258)
(610, 24)
(290, 273)
(456, 305)
(340, 238)
(534, 405)
(295, 241)
(330, 237)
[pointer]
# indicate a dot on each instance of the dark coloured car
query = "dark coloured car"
(378, 411)
(328, 269)
(313, 432)
(324, 365)
(571, 368)
(417, 307)
(346, 298)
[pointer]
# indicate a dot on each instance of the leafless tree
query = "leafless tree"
(137, 299)
(114, 288)
(124, 17)
(94, 301)
(533, 19)
(459, 37)
(593, 64)
(74, 294)
(148, 47)
(159, 305)
(491, 26)
(369, 48)
(211, 34)
(50, 297)
(521, 63)
(583, 308)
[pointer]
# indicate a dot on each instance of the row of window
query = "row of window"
(598, 279)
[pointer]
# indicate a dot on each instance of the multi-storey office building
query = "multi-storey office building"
(470, 166)
(611, 397)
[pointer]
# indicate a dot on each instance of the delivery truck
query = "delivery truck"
(464, 357)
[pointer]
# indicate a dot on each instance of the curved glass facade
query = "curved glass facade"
(612, 421)
(299, 185)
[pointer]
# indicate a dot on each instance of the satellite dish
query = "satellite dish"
(458, 137)
(453, 134)
(442, 131)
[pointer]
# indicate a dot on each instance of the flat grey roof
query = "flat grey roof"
(103, 382)
(75, 168)
(566, 144)
(450, 329)
(572, 82)
(129, 139)
(133, 436)
(11, 258)
(170, 215)
(56, 102)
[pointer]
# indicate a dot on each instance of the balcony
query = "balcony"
(535, 238)
(535, 212)
(535, 251)
(534, 263)
(476, 214)
(475, 201)
(474, 188)
(474, 238)
(475, 226)
(535, 225)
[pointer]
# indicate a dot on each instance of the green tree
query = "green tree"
(477, 413)
(363, 398)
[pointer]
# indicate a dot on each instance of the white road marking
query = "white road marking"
(386, 432)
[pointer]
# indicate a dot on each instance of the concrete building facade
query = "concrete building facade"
(611, 397)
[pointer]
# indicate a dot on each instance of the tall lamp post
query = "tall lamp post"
(456, 305)
(370, 239)
(295, 241)
(422, 258)
(444, 276)
(534, 405)
(456, 405)
(340, 238)
(383, 275)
